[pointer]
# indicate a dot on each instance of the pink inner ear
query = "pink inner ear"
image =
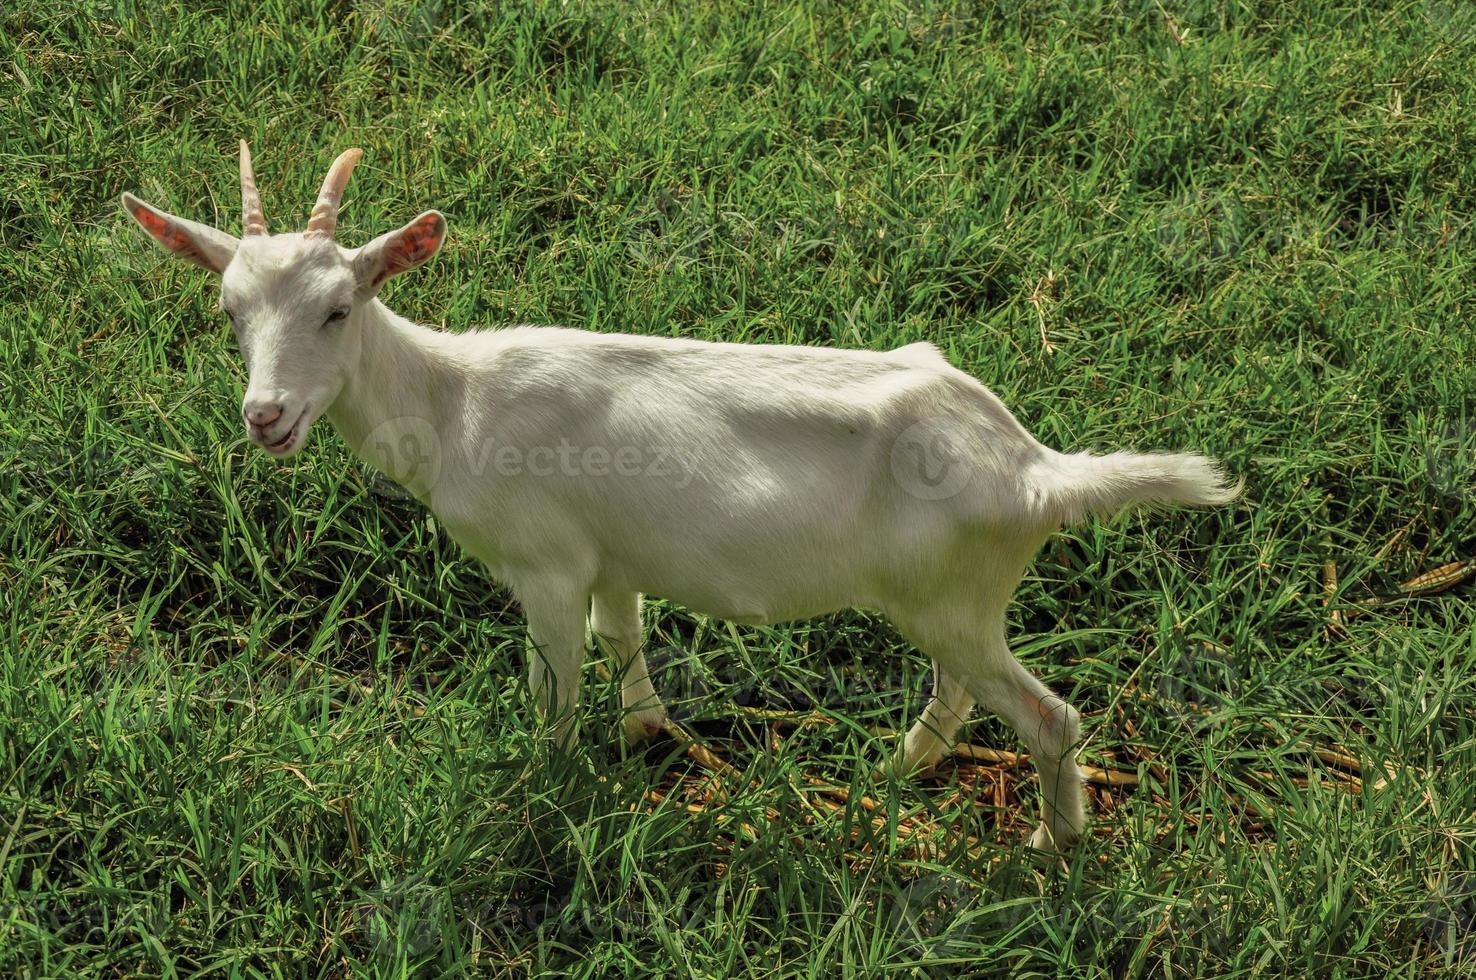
(167, 234)
(416, 243)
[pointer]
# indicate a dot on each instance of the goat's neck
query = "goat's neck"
(398, 402)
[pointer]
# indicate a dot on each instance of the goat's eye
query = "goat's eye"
(336, 315)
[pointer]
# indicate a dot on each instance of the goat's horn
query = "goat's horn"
(324, 218)
(252, 220)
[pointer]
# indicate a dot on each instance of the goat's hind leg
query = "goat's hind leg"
(1050, 729)
(615, 618)
(979, 660)
(931, 738)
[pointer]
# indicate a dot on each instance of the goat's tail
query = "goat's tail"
(1074, 485)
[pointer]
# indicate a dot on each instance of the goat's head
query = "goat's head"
(292, 298)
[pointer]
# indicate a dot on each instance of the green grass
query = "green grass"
(266, 720)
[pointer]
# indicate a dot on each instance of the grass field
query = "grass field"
(265, 720)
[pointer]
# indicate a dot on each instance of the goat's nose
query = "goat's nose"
(262, 414)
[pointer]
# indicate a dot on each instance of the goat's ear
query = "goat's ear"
(399, 251)
(201, 244)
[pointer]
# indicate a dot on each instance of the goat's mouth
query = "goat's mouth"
(286, 445)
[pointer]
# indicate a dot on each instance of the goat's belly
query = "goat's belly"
(751, 609)
(769, 575)
(746, 596)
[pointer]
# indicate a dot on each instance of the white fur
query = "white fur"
(751, 482)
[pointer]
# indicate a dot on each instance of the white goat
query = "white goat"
(751, 482)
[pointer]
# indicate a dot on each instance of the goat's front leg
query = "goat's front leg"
(555, 614)
(616, 620)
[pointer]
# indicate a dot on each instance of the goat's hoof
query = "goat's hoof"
(911, 761)
(924, 765)
(1045, 844)
(891, 769)
(901, 768)
(1041, 840)
(642, 726)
